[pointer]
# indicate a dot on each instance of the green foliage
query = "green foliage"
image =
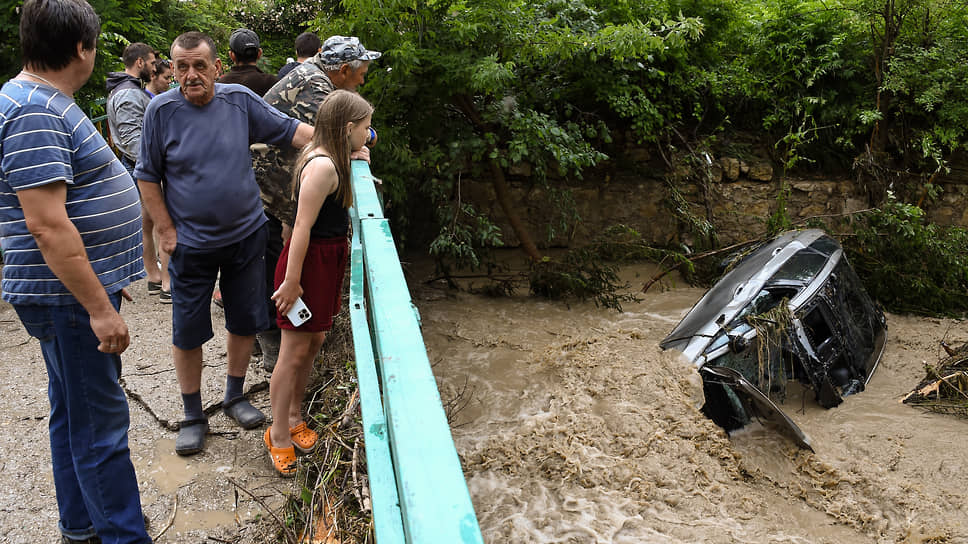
(528, 91)
(9, 38)
(799, 72)
(623, 244)
(932, 81)
(779, 221)
(155, 22)
(698, 167)
(579, 275)
(908, 264)
(465, 233)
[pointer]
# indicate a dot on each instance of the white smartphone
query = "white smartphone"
(299, 313)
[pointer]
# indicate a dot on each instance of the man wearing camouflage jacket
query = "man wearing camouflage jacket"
(342, 63)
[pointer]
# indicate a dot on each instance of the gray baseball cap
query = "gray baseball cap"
(342, 49)
(242, 39)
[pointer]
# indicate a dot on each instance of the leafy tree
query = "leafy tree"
(908, 264)
(926, 78)
(468, 89)
(9, 38)
(155, 22)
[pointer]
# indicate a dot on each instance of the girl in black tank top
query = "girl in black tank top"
(312, 264)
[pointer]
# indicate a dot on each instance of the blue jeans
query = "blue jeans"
(97, 491)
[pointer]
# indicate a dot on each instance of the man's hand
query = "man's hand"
(112, 331)
(167, 239)
(154, 202)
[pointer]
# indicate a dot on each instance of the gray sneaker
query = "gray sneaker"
(269, 342)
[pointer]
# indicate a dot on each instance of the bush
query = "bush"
(908, 264)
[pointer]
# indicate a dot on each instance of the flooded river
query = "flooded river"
(574, 427)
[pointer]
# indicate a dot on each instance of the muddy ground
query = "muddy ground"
(202, 498)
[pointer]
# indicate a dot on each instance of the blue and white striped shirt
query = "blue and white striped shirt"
(46, 138)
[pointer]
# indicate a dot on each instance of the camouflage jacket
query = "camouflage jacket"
(298, 95)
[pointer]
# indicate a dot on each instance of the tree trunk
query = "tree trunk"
(504, 199)
(466, 105)
(883, 51)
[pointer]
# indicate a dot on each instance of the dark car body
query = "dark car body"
(791, 309)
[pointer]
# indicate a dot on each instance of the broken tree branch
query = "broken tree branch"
(171, 520)
(692, 258)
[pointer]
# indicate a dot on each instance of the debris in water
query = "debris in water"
(944, 388)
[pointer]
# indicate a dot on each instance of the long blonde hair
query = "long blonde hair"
(330, 133)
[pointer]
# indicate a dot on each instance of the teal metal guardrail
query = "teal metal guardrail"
(417, 485)
(100, 121)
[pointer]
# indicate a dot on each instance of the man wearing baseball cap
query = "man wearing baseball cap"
(245, 51)
(341, 63)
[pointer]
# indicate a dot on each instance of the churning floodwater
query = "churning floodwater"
(574, 427)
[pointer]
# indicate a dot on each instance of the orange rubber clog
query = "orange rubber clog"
(303, 438)
(282, 459)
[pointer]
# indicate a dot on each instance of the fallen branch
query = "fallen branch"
(692, 258)
(133, 395)
(171, 520)
(356, 482)
(290, 538)
(347, 416)
(496, 277)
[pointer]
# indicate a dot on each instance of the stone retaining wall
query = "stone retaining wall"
(741, 197)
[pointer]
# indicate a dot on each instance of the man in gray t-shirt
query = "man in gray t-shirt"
(196, 141)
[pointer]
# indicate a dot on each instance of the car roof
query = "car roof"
(793, 260)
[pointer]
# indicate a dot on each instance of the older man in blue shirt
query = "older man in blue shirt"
(195, 142)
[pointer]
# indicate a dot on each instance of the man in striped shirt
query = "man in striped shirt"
(70, 227)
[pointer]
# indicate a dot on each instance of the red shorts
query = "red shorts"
(322, 281)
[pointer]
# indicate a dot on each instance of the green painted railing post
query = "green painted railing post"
(434, 503)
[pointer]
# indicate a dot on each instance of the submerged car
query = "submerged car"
(792, 309)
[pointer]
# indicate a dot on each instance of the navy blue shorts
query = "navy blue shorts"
(241, 272)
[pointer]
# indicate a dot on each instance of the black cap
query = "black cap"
(243, 39)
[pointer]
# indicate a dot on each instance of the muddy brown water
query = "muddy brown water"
(577, 428)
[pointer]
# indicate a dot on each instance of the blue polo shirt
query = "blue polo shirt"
(201, 155)
(45, 138)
